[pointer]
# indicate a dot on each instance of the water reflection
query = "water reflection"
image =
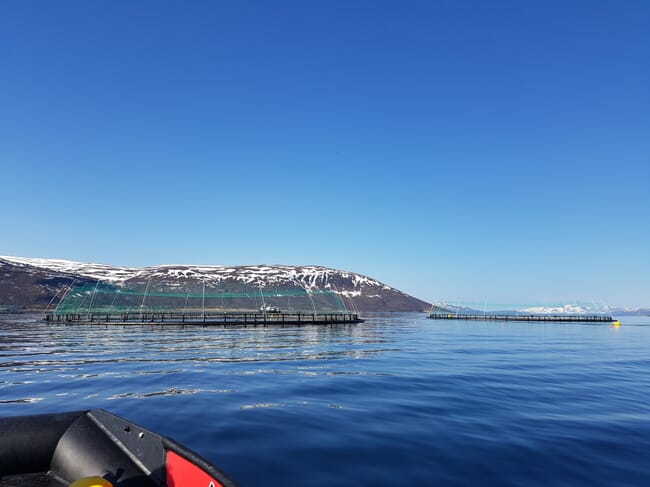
(438, 403)
(75, 359)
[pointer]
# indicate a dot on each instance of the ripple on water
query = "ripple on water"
(397, 397)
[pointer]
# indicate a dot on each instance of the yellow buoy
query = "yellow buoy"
(91, 482)
(617, 323)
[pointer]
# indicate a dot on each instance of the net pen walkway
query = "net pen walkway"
(204, 319)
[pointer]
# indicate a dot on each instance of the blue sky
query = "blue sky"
(453, 149)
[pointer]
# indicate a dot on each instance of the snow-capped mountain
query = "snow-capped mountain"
(560, 309)
(584, 309)
(627, 311)
(564, 309)
(35, 283)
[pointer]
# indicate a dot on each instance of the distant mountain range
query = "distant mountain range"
(38, 284)
(630, 311)
(566, 309)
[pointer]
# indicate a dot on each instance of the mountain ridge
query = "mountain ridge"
(34, 283)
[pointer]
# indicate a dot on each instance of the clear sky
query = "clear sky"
(455, 149)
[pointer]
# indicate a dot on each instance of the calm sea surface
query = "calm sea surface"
(397, 400)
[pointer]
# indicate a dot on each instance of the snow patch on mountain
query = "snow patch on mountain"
(101, 272)
(570, 309)
(566, 309)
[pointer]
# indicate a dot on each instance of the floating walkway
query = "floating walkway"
(205, 319)
(555, 318)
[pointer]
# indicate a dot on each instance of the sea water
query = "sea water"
(397, 400)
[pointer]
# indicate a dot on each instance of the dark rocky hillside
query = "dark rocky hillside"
(35, 284)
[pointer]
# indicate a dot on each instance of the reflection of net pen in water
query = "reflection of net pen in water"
(197, 297)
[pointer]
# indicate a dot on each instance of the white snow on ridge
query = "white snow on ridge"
(309, 277)
(101, 272)
(566, 309)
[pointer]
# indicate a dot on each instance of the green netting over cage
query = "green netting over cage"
(197, 297)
